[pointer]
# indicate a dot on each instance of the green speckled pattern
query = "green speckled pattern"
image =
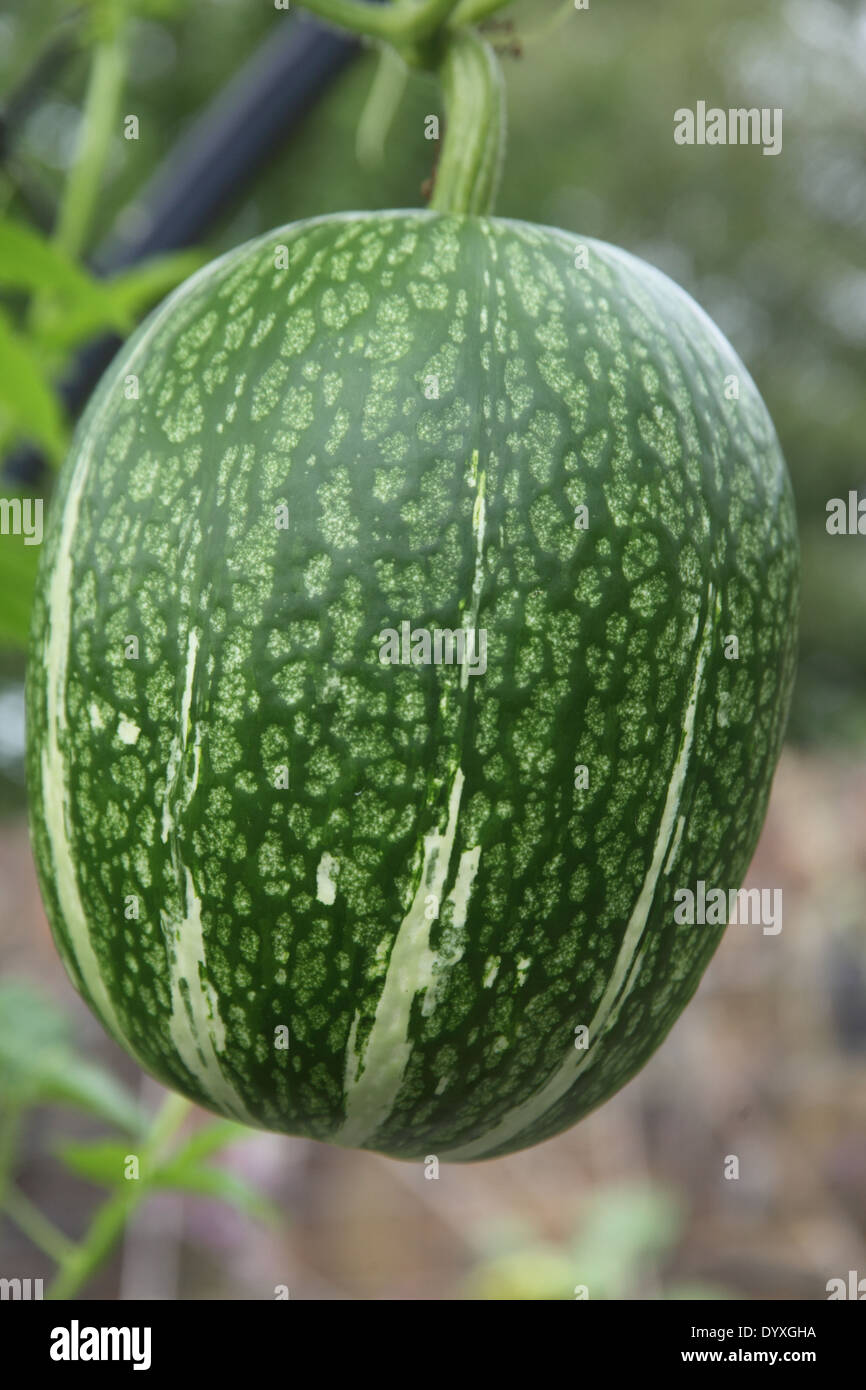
(245, 822)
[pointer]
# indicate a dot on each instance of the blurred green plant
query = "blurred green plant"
(39, 1065)
(50, 303)
(617, 1251)
(59, 306)
(53, 304)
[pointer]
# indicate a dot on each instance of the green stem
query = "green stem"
(559, 17)
(42, 1232)
(167, 1122)
(404, 22)
(111, 1218)
(386, 93)
(470, 162)
(98, 122)
(10, 1127)
(473, 11)
(105, 1230)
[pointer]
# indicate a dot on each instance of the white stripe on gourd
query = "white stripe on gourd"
(79, 955)
(196, 1027)
(370, 1095)
(630, 956)
(459, 900)
(78, 952)
(412, 966)
(479, 519)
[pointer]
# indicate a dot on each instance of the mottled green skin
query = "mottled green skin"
(602, 386)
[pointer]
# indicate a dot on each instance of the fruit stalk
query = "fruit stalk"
(470, 164)
(426, 36)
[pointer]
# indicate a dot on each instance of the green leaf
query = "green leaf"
(28, 261)
(86, 1086)
(624, 1227)
(103, 1162)
(39, 1066)
(30, 1029)
(71, 304)
(58, 326)
(211, 1138)
(18, 564)
(226, 1187)
(28, 407)
(627, 1221)
(135, 290)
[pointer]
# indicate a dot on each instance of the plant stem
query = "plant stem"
(401, 22)
(471, 160)
(473, 11)
(559, 17)
(99, 117)
(167, 1121)
(10, 1127)
(111, 1218)
(386, 92)
(42, 1232)
(105, 1230)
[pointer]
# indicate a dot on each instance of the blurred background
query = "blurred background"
(767, 1064)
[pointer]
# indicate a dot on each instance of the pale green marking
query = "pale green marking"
(127, 731)
(80, 958)
(454, 941)
(479, 518)
(630, 956)
(681, 820)
(370, 1095)
(491, 970)
(326, 874)
(197, 1029)
(179, 741)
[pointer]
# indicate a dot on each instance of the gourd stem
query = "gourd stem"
(425, 35)
(470, 162)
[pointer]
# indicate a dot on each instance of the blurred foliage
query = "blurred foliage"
(771, 247)
(40, 1065)
(617, 1251)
